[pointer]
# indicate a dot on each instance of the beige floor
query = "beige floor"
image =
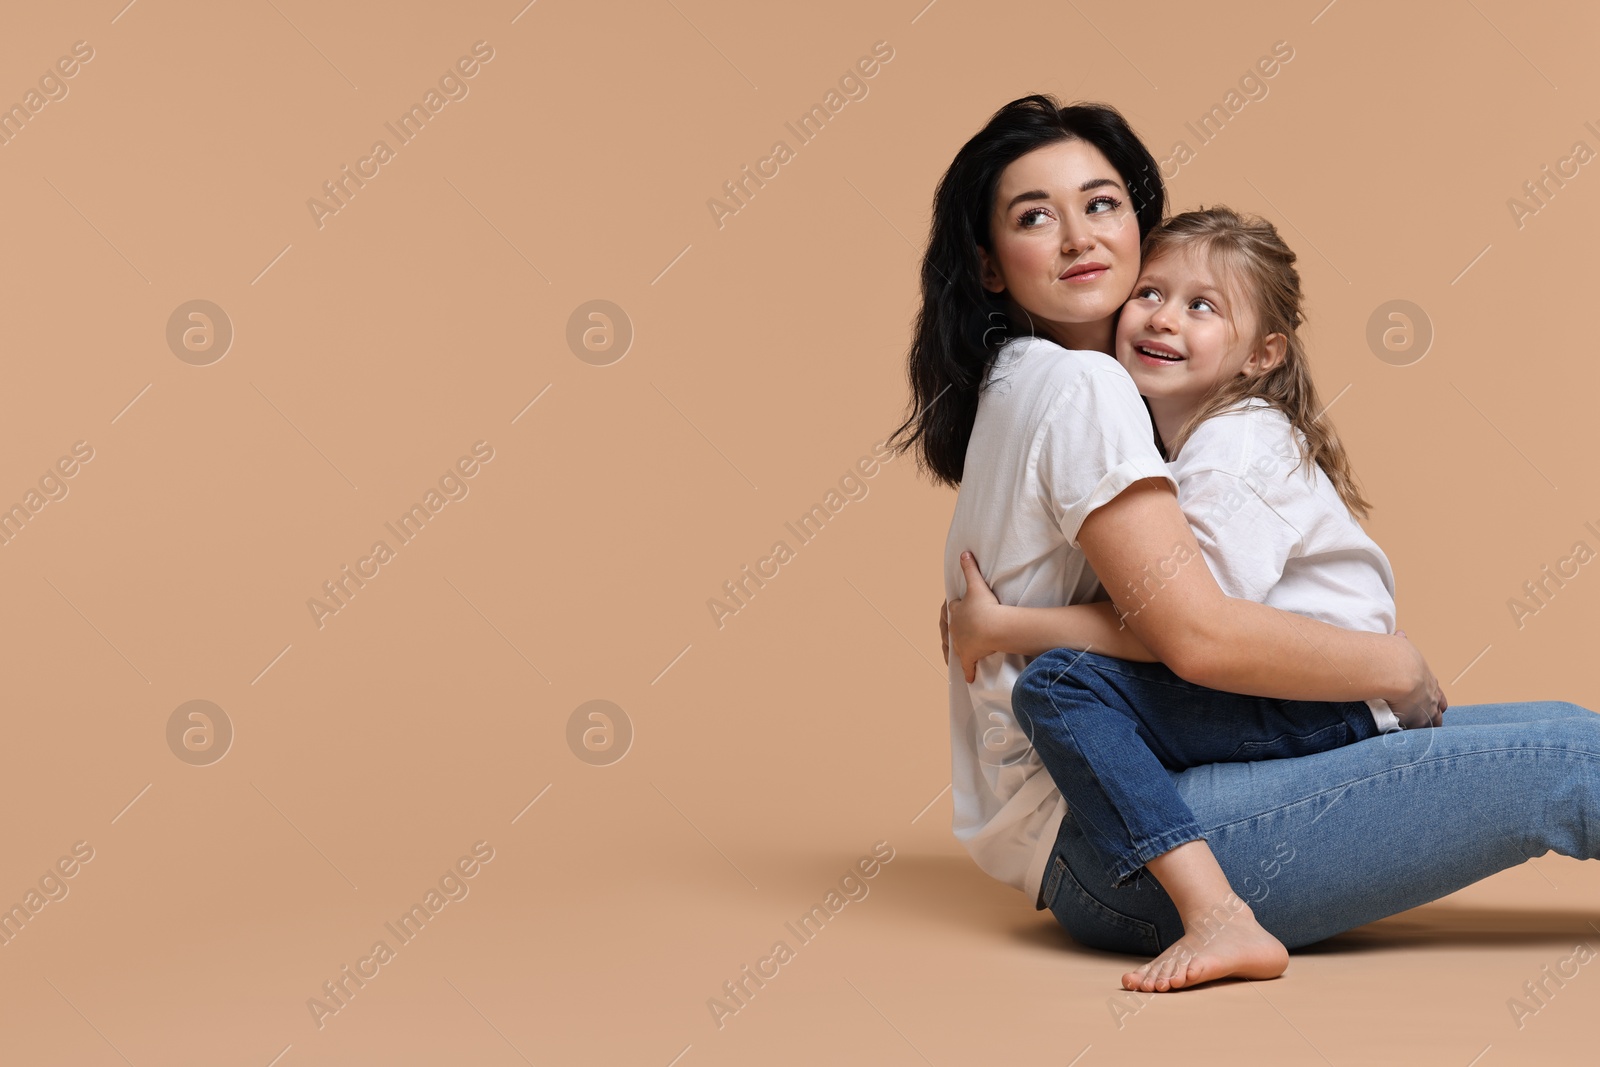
(578, 954)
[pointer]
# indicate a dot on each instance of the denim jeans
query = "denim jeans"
(1325, 843)
(1109, 731)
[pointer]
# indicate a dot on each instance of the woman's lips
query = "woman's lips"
(1085, 272)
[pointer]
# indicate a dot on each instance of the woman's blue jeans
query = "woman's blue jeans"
(1321, 844)
(1109, 731)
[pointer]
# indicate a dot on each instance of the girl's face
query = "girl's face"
(1065, 242)
(1185, 329)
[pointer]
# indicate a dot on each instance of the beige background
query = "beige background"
(767, 755)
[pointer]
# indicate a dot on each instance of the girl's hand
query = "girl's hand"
(972, 619)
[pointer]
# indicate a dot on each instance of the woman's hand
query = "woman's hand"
(1426, 705)
(944, 630)
(972, 620)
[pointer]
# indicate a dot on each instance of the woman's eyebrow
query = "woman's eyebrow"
(1032, 194)
(1040, 194)
(1098, 183)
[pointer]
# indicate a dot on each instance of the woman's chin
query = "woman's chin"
(1081, 313)
(1093, 306)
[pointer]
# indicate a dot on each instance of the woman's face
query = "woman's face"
(1065, 242)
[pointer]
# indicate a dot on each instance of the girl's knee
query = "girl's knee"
(1033, 685)
(1047, 686)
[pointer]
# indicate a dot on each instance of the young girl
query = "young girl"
(1209, 337)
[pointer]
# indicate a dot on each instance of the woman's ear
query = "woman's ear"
(1267, 355)
(990, 276)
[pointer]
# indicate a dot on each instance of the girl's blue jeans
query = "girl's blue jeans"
(1325, 843)
(1109, 731)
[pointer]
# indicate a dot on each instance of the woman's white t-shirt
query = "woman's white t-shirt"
(1058, 433)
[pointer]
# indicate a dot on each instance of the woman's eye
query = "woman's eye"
(1110, 203)
(1025, 220)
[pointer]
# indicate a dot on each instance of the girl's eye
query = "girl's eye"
(1111, 204)
(1025, 220)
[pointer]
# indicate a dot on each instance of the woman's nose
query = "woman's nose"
(1077, 238)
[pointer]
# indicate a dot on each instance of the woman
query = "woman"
(1035, 241)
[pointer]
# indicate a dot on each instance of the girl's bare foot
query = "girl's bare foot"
(1225, 941)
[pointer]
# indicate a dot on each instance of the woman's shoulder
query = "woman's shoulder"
(1045, 361)
(1075, 400)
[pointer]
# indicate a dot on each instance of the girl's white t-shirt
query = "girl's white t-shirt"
(1273, 529)
(1058, 433)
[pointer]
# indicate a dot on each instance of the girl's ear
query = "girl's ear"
(991, 276)
(1267, 355)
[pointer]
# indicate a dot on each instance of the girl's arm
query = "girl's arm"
(1147, 558)
(980, 625)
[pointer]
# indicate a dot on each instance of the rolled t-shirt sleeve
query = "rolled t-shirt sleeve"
(1097, 441)
(1245, 541)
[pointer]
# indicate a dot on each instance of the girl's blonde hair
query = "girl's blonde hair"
(1259, 267)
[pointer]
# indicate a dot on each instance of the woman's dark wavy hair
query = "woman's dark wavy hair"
(957, 332)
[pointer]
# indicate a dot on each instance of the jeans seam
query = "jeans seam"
(1103, 913)
(1343, 786)
(1123, 869)
(1306, 738)
(1052, 884)
(1122, 874)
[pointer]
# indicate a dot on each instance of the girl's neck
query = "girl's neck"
(1169, 415)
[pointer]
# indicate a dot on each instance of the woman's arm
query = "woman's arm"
(980, 625)
(1147, 558)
